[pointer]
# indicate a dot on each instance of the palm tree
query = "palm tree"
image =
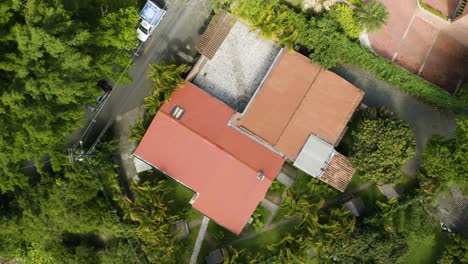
(137, 131)
(372, 16)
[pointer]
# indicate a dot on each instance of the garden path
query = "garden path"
(424, 119)
(199, 241)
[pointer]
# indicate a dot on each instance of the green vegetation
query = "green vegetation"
(372, 15)
(166, 79)
(456, 250)
(53, 53)
(322, 35)
(277, 187)
(258, 244)
(445, 161)
(432, 10)
(295, 3)
(63, 215)
(380, 158)
(260, 216)
(347, 20)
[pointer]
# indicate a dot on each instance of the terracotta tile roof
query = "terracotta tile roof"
(213, 159)
(299, 98)
(339, 172)
(215, 33)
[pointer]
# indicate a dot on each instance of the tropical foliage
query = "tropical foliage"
(456, 251)
(381, 145)
(68, 214)
(347, 20)
(319, 228)
(137, 131)
(53, 53)
(166, 79)
(445, 160)
(149, 210)
(372, 15)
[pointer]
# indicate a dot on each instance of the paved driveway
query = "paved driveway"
(424, 120)
(176, 34)
(415, 39)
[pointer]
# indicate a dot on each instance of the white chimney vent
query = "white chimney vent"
(260, 175)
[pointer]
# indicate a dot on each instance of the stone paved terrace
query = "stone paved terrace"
(238, 67)
(423, 43)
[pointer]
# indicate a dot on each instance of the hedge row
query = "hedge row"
(322, 35)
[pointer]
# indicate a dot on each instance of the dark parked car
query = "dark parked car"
(105, 86)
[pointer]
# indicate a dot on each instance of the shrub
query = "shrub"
(379, 158)
(345, 16)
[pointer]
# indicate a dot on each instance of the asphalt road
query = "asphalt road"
(174, 37)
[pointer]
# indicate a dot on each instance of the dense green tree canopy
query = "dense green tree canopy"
(381, 145)
(52, 57)
(445, 161)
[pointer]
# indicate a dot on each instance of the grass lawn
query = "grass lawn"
(185, 251)
(424, 248)
(219, 233)
(204, 251)
(179, 198)
(259, 243)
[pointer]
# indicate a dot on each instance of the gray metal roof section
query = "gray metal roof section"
(314, 156)
(238, 66)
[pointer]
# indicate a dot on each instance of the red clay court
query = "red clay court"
(416, 40)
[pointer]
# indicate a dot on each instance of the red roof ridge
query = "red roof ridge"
(299, 105)
(209, 141)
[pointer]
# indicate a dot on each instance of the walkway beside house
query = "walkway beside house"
(200, 237)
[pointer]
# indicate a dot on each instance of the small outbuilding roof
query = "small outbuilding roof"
(189, 139)
(339, 172)
(214, 35)
(314, 156)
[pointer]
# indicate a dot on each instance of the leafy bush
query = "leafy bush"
(345, 16)
(277, 187)
(379, 158)
(445, 160)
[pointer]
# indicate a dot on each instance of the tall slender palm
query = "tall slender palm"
(372, 16)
